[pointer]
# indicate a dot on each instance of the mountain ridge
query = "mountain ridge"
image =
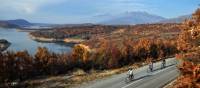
(20, 22)
(135, 17)
(127, 18)
(178, 19)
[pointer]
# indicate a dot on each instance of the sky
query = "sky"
(81, 11)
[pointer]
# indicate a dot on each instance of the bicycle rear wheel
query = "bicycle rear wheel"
(127, 80)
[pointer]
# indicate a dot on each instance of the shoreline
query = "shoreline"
(52, 40)
(42, 39)
(23, 30)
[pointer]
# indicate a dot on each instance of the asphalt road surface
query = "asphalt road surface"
(143, 79)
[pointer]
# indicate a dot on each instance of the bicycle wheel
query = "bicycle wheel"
(127, 80)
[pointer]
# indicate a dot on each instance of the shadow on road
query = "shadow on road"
(163, 68)
(141, 77)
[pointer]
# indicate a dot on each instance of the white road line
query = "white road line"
(131, 83)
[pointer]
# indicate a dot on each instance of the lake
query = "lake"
(21, 41)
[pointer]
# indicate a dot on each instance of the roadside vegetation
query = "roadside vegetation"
(189, 45)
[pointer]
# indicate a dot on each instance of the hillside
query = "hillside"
(188, 44)
(20, 22)
(176, 20)
(14, 23)
(4, 44)
(130, 18)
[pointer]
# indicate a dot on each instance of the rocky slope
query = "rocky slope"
(4, 44)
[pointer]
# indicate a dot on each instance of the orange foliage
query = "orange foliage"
(188, 42)
(80, 52)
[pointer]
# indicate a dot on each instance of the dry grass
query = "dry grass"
(73, 40)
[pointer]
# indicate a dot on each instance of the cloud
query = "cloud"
(66, 10)
(25, 6)
(119, 6)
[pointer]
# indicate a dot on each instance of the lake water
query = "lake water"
(21, 41)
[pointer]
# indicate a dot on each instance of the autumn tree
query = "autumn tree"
(190, 35)
(42, 58)
(80, 56)
(24, 64)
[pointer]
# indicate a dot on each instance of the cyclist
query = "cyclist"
(163, 63)
(151, 66)
(130, 73)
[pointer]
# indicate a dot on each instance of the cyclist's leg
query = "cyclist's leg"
(129, 76)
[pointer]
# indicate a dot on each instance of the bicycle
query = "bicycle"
(150, 69)
(129, 78)
(163, 64)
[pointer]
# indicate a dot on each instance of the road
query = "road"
(143, 79)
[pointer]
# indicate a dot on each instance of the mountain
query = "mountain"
(177, 19)
(127, 18)
(20, 22)
(130, 18)
(6, 24)
(15, 23)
